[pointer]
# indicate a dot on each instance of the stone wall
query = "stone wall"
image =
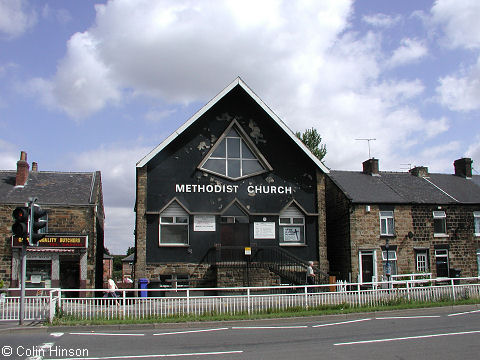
(322, 223)
(141, 226)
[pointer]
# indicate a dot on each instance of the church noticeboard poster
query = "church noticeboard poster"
(264, 230)
(204, 223)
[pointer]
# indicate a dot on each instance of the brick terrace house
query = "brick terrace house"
(431, 222)
(70, 255)
(232, 190)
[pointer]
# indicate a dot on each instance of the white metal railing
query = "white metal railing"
(41, 306)
(169, 302)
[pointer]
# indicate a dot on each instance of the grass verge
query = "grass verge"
(62, 320)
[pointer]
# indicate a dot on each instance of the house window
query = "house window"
(476, 222)
(441, 259)
(173, 226)
(387, 227)
(421, 261)
(392, 261)
(439, 223)
(291, 227)
(234, 156)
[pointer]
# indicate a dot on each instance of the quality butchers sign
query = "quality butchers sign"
(55, 241)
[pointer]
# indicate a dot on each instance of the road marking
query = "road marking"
(341, 323)
(408, 317)
(153, 355)
(56, 334)
(189, 331)
(407, 338)
(464, 313)
(106, 334)
(269, 327)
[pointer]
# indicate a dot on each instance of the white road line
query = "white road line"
(341, 323)
(464, 313)
(105, 334)
(408, 317)
(152, 356)
(189, 331)
(407, 338)
(56, 334)
(268, 327)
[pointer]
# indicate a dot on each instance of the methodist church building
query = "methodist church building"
(231, 198)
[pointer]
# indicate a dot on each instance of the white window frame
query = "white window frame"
(289, 225)
(174, 215)
(418, 260)
(392, 259)
(440, 215)
(389, 229)
(476, 223)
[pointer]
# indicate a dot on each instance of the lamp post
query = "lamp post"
(388, 270)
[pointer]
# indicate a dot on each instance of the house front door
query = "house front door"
(367, 266)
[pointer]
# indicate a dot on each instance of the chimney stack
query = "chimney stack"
(22, 170)
(419, 171)
(463, 167)
(370, 167)
(34, 166)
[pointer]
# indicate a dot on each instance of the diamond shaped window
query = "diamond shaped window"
(234, 156)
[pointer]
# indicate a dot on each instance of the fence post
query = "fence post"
(358, 294)
(124, 296)
(453, 290)
(188, 301)
(408, 290)
(306, 297)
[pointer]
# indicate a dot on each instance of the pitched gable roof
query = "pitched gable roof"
(203, 110)
(51, 188)
(404, 188)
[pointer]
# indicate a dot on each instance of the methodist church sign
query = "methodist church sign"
(229, 189)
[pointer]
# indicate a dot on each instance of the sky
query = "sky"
(96, 85)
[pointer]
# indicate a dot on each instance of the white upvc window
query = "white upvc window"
(387, 227)
(439, 223)
(392, 261)
(476, 222)
(422, 261)
(173, 226)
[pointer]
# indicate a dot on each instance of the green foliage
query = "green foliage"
(312, 139)
(130, 250)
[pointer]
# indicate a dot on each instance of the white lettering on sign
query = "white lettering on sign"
(251, 189)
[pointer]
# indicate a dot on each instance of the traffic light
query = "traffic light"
(36, 213)
(20, 226)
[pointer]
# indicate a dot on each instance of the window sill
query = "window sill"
(440, 235)
(297, 245)
(388, 235)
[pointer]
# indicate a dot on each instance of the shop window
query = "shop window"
(38, 274)
(441, 260)
(173, 226)
(234, 156)
(387, 227)
(392, 261)
(439, 223)
(421, 261)
(476, 221)
(292, 227)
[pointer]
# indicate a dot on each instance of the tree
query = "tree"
(312, 139)
(130, 250)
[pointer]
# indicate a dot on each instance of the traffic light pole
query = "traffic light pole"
(31, 220)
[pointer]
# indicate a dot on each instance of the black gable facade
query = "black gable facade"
(232, 183)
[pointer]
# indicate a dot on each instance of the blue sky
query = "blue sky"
(95, 85)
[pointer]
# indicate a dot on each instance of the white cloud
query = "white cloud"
(9, 155)
(459, 22)
(117, 166)
(410, 50)
(16, 17)
(382, 20)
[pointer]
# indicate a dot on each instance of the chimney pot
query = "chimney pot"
(34, 166)
(463, 167)
(370, 167)
(22, 170)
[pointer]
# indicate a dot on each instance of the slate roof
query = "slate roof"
(405, 188)
(50, 188)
